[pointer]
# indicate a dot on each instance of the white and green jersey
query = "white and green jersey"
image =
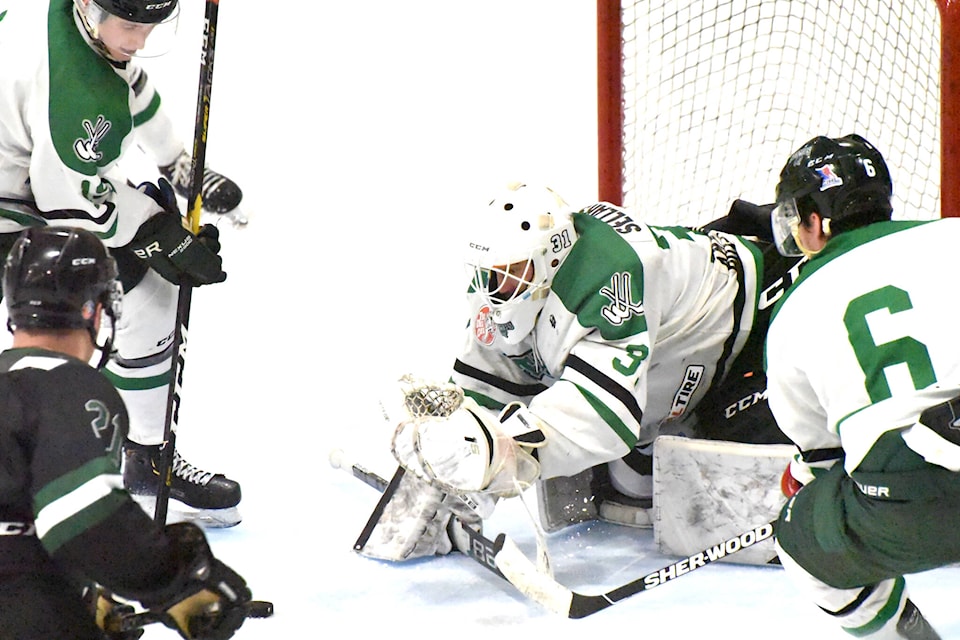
(865, 340)
(639, 323)
(67, 116)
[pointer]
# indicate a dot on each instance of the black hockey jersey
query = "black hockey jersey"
(62, 504)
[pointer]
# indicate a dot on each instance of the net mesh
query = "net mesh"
(718, 94)
(425, 398)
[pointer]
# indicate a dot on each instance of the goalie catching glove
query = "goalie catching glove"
(471, 450)
(172, 251)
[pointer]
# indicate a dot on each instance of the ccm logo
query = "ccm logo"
(159, 5)
(80, 262)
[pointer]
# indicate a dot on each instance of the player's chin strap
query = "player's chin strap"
(106, 349)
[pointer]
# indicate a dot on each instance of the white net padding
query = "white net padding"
(718, 93)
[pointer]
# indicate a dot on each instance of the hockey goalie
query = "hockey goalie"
(614, 366)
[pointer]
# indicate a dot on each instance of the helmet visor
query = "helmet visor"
(125, 37)
(785, 221)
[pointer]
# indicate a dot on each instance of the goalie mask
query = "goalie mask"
(845, 180)
(523, 236)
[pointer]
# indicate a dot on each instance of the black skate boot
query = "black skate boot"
(204, 498)
(220, 194)
(913, 626)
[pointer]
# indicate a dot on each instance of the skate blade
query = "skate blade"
(235, 218)
(180, 512)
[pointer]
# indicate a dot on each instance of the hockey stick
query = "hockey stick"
(165, 465)
(506, 560)
(118, 624)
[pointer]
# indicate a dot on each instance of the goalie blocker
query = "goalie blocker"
(703, 491)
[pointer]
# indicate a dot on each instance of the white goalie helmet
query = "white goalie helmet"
(521, 238)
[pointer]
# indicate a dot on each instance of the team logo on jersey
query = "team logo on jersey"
(622, 306)
(86, 149)
(829, 178)
(531, 363)
(484, 328)
(691, 382)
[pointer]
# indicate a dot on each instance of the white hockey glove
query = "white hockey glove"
(471, 451)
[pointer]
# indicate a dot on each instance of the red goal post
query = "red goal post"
(702, 101)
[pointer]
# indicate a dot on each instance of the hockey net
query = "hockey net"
(702, 101)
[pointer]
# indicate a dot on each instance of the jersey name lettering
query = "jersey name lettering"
(616, 218)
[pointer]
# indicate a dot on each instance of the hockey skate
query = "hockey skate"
(913, 626)
(221, 195)
(204, 498)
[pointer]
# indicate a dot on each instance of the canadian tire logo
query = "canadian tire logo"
(484, 330)
(691, 381)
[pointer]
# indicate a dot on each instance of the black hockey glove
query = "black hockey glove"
(172, 251)
(110, 614)
(211, 602)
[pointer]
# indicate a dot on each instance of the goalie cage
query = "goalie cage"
(701, 102)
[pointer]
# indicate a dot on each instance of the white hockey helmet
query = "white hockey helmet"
(522, 237)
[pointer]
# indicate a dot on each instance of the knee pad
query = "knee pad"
(147, 321)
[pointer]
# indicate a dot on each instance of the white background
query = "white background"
(363, 135)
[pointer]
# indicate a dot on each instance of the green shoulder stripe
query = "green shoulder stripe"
(149, 112)
(601, 281)
(89, 107)
(844, 243)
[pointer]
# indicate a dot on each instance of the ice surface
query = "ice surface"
(362, 134)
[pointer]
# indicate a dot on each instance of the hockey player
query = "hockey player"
(74, 102)
(65, 520)
(591, 334)
(864, 374)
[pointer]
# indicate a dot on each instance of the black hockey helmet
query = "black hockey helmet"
(55, 276)
(142, 11)
(845, 180)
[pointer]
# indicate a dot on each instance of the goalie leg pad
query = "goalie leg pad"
(705, 491)
(567, 500)
(411, 521)
(593, 494)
